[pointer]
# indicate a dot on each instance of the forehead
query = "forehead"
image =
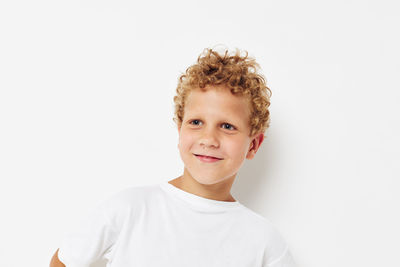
(217, 102)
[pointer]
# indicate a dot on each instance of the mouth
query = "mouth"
(207, 157)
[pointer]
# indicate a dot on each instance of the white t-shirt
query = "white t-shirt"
(162, 225)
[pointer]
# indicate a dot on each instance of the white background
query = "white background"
(86, 110)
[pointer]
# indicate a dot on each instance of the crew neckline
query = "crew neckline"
(198, 202)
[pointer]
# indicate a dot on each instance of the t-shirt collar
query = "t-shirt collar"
(198, 202)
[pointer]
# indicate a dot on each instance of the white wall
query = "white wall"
(86, 110)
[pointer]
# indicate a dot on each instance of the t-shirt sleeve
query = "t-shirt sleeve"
(276, 251)
(285, 260)
(91, 238)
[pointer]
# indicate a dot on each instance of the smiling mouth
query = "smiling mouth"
(206, 157)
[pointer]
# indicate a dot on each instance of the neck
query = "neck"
(218, 191)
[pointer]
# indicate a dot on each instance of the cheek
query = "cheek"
(237, 148)
(185, 141)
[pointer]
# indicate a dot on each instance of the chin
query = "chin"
(208, 180)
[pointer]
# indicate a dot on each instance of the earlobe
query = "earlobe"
(250, 155)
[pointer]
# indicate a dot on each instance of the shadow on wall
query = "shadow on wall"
(254, 176)
(100, 263)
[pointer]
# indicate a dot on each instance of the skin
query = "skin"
(55, 262)
(215, 123)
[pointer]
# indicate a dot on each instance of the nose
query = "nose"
(209, 139)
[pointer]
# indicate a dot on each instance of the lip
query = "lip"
(205, 158)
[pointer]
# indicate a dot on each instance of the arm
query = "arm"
(55, 262)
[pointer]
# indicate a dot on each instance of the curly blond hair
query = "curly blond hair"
(236, 72)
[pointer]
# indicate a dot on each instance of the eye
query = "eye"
(195, 121)
(229, 125)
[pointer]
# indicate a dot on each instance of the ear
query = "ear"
(255, 145)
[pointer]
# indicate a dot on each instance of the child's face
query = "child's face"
(216, 123)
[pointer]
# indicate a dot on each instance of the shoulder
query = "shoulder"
(258, 221)
(274, 245)
(120, 205)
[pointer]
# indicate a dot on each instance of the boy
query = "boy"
(221, 112)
